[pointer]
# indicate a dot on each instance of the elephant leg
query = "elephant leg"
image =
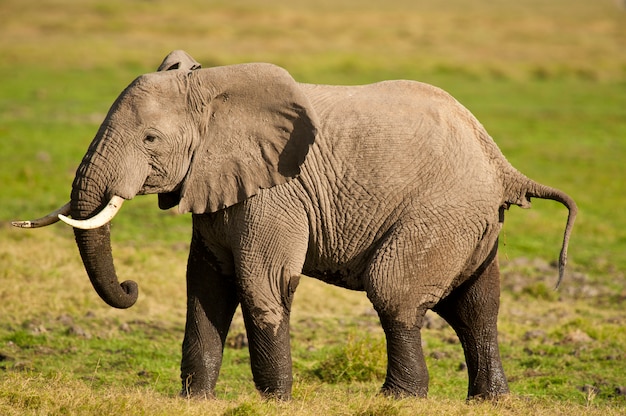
(270, 352)
(407, 374)
(392, 284)
(211, 303)
(403, 281)
(268, 264)
(472, 311)
(266, 299)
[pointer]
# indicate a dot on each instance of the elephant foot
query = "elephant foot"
(492, 397)
(279, 390)
(192, 389)
(281, 396)
(498, 388)
(396, 392)
(201, 395)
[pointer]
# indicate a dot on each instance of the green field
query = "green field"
(548, 81)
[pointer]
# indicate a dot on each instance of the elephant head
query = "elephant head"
(203, 139)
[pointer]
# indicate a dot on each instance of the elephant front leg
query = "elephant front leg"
(270, 355)
(472, 310)
(211, 304)
(266, 309)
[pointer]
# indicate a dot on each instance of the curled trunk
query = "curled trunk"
(95, 251)
(94, 245)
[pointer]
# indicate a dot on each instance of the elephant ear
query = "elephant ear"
(179, 60)
(256, 129)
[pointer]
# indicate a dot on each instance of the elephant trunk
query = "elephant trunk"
(95, 244)
(95, 251)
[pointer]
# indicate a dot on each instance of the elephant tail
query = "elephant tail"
(521, 196)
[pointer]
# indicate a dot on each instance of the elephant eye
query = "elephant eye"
(150, 139)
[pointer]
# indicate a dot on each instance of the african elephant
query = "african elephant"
(392, 188)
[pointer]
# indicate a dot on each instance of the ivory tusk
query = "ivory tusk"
(44, 221)
(98, 220)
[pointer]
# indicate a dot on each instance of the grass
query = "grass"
(129, 402)
(64, 349)
(547, 79)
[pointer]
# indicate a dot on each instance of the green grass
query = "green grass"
(547, 79)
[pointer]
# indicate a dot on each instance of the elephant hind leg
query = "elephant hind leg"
(401, 314)
(407, 374)
(404, 279)
(472, 311)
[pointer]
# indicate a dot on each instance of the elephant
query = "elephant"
(392, 188)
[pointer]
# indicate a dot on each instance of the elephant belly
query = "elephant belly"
(342, 278)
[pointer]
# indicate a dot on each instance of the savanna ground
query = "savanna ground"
(547, 79)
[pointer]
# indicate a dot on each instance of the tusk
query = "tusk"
(100, 218)
(44, 221)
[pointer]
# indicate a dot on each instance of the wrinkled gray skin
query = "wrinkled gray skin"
(393, 188)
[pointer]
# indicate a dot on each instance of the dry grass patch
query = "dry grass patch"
(23, 395)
